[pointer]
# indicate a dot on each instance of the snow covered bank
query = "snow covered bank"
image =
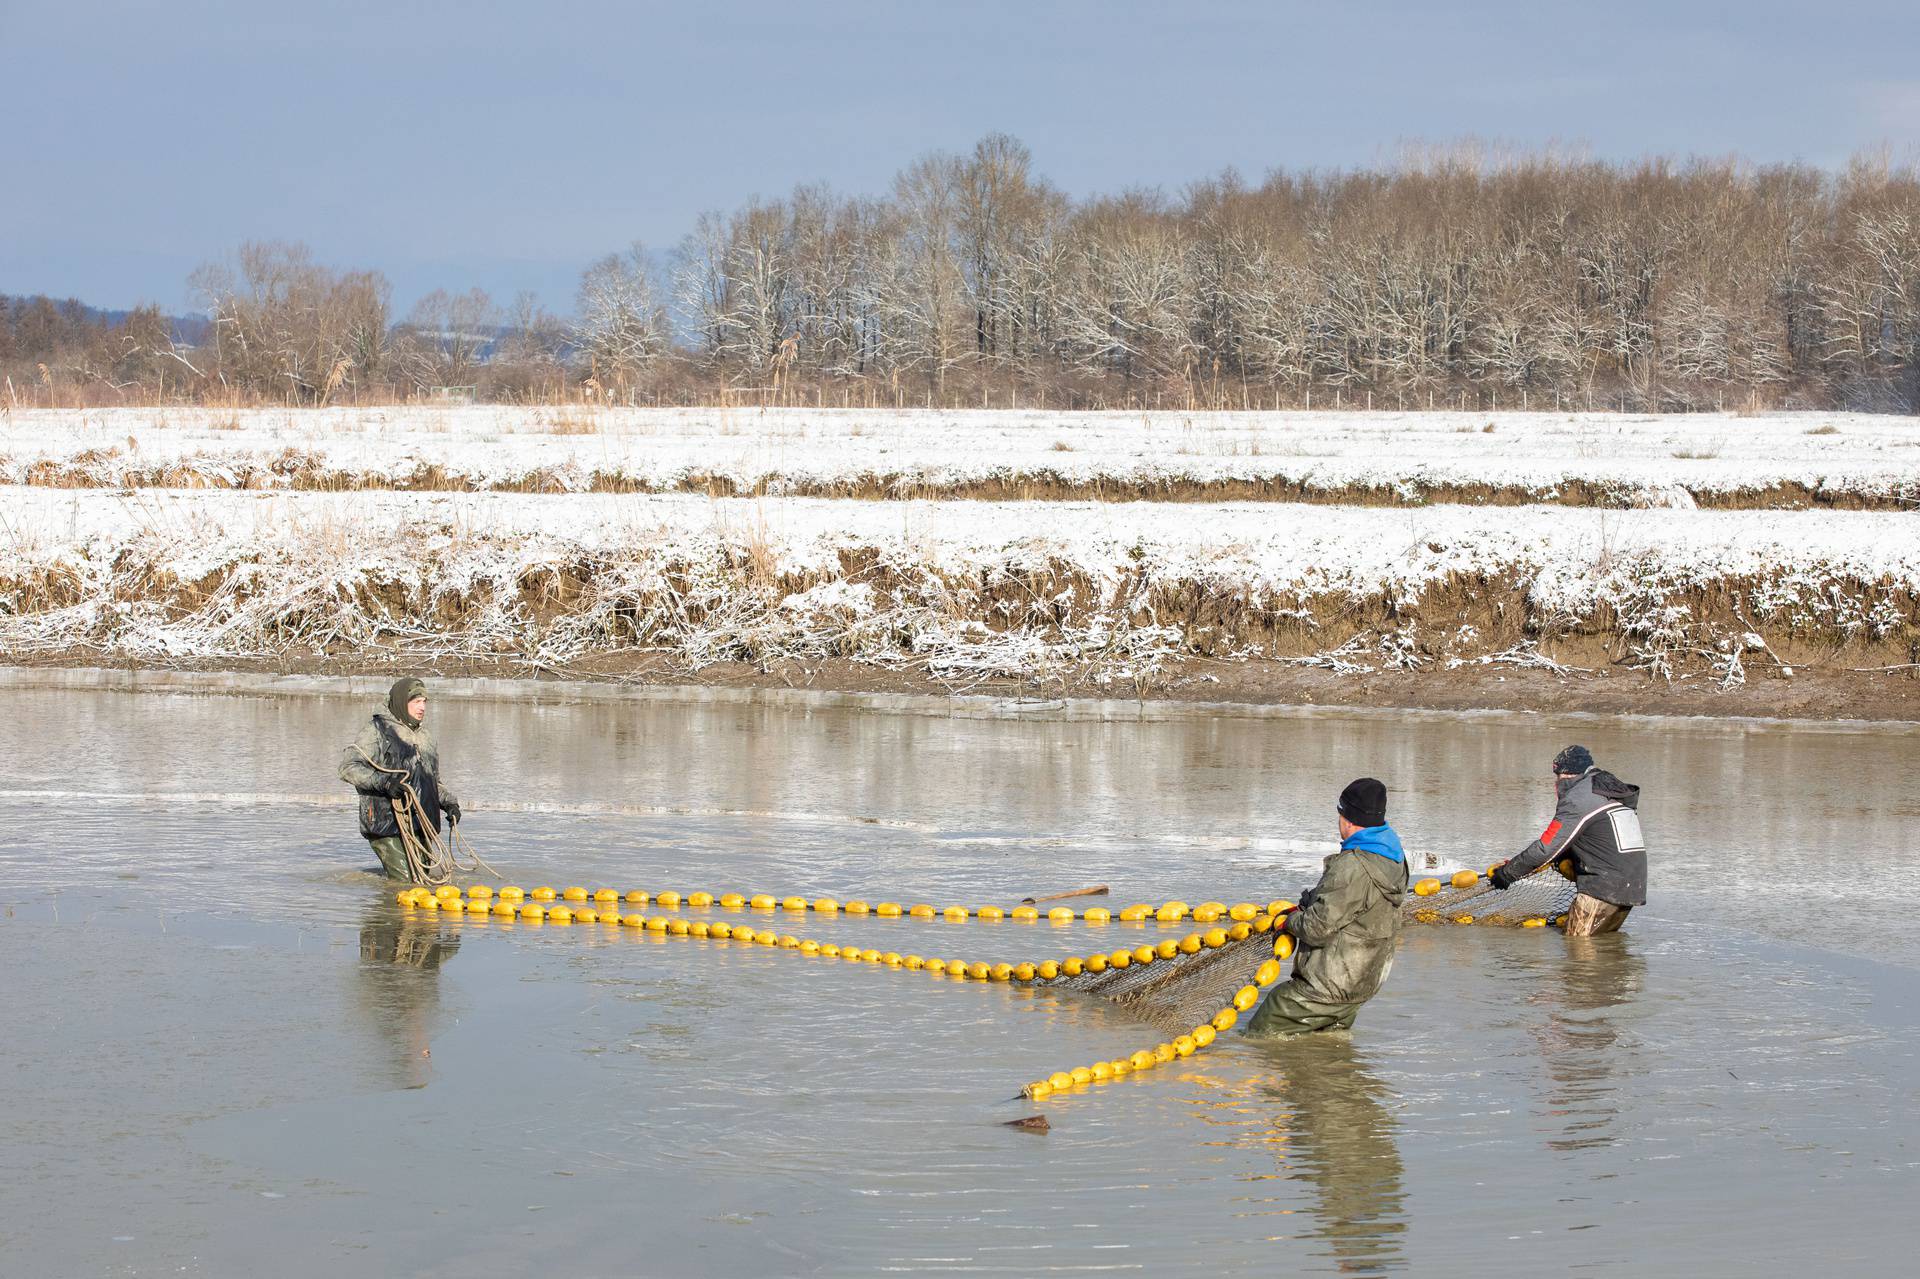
(1784, 460)
(1008, 589)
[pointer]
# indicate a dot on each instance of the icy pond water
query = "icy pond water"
(228, 1053)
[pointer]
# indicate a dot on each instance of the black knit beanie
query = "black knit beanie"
(402, 692)
(1364, 802)
(1573, 761)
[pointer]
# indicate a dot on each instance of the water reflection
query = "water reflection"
(1584, 1039)
(397, 989)
(1503, 1052)
(1336, 1133)
(1208, 805)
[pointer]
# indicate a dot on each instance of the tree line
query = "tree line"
(1448, 277)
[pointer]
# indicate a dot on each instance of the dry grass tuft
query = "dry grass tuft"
(570, 419)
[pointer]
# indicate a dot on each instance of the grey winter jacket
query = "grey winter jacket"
(1348, 929)
(1597, 824)
(392, 743)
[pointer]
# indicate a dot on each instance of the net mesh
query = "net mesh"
(1187, 990)
(1539, 896)
(1181, 992)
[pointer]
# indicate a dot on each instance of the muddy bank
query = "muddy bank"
(1815, 694)
(1113, 601)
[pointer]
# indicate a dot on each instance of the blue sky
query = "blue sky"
(452, 144)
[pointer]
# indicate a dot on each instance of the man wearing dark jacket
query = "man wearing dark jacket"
(395, 751)
(1345, 927)
(1596, 823)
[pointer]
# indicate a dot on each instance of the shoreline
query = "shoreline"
(1198, 689)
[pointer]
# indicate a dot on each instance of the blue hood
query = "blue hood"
(1378, 840)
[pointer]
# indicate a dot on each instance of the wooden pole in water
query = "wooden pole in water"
(1098, 890)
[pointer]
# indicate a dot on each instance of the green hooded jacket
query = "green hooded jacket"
(1347, 932)
(374, 742)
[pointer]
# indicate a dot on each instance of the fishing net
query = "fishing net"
(1195, 986)
(1178, 992)
(1542, 896)
(1187, 989)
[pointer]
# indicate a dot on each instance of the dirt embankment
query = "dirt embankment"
(1783, 644)
(298, 471)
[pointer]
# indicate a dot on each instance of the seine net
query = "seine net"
(1181, 992)
(1184, 991)
(1545, 895)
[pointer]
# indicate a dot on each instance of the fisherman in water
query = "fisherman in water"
(1595, 822)
(1345, 926)
(393, 752)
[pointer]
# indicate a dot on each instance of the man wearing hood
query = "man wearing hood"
(1346, 925)
(395, 751)
(1596, 823)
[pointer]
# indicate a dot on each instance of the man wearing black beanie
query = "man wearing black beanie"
(1346, 925)
(1596, 826)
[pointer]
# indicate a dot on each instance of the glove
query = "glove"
(1502, 877)
(451, 807)
(1306, 898)
(393, 785)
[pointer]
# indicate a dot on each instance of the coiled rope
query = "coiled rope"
(430, 859)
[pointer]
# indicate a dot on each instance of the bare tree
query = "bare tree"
(446, 337)
(285, 326)
(756, 320)
(1000, 210)
(1127, 305)
(921, 293)
(620, 330)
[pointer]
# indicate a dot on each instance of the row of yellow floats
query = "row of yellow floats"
(1183, 1045)
(584, 906)
(668, 899)
(1241, 920)
(541, 902)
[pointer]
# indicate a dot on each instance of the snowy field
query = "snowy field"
(1783, 459)
(1270, 547)
(556, 535)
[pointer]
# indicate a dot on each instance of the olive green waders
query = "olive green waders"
(393, 856)
(1290, 1009)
